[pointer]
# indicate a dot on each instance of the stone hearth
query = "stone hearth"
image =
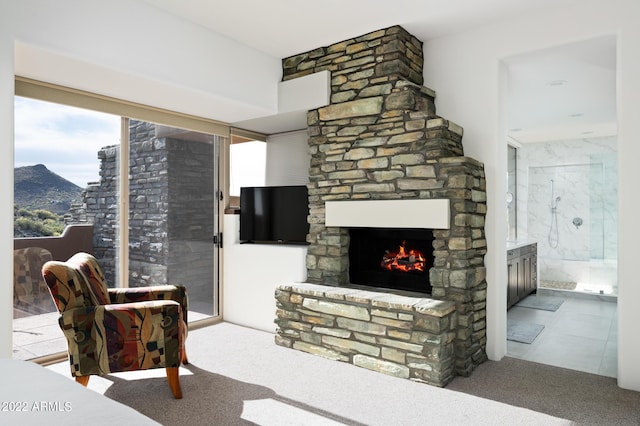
(402, 336)
(381, 139)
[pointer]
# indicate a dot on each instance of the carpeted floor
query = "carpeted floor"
(239, 376)
(586, 399)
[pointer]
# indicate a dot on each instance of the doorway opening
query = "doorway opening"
(561, 118)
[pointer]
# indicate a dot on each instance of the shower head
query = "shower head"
(558, 199)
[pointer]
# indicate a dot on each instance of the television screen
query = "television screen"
(274, 214)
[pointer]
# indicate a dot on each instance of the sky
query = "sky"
(65, 139)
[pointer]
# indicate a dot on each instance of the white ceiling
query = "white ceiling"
(566, 92)
(284, 28)
(540, 108)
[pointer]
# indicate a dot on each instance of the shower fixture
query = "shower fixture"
(554, 234)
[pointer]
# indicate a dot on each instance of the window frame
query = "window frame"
(48, 92)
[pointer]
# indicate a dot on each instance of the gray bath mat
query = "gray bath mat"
(546, 303)
(523, 332)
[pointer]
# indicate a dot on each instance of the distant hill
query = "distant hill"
(36, 187)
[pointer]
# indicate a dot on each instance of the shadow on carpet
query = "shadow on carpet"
(213, 399)
(523, 332)
(545, 303)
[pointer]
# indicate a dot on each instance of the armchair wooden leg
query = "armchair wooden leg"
(185, 360)
(83, 380)
(174, 382)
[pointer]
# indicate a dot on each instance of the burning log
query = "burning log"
(403, 260)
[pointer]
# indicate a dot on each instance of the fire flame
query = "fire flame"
(403, 260)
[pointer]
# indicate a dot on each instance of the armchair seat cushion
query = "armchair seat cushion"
(123, 337)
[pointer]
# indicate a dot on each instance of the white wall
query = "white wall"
(466, 72)
(252, 271)
(288, 159)
(251, 274)
(6, 192)
(133, 51)
(127, 50)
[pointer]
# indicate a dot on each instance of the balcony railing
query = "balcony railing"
(74, 238)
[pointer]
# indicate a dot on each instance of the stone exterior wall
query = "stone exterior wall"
(148, 206)
(171, 211)
(406, 337)
(380, 138)
(101, 206)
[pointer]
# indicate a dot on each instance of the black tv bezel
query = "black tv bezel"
(245, 215)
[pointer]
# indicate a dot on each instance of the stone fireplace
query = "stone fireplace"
(387, 169)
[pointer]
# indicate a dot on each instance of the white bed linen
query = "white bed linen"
(33, 395)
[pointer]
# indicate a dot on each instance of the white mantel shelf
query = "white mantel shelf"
(415, 213)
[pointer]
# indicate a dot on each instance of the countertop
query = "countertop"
(511, 244)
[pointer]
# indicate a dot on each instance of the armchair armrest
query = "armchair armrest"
(124, 337)
(177, 293)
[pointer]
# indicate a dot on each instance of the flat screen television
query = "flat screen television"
(274, 214)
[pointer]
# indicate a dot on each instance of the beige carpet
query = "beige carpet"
(584, 398)
(239, 376)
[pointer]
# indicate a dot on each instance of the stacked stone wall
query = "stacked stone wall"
(148, 206)
(363, 66)
(406, 337)
(391, 144)
(101, 206)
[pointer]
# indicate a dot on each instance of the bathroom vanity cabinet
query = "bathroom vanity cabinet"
(522, 272)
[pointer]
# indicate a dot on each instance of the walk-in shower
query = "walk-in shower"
(571, 213)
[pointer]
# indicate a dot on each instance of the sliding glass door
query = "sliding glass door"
(173, 212)
(70, 196)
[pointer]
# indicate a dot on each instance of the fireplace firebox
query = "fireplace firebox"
(391, 258)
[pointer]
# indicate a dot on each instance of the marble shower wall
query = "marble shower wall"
(584, 176)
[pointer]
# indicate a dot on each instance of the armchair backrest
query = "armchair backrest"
(68, 287)
(91, 269)
(78, 282)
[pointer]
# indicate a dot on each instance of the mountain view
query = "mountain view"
(41, 198)
(36, 187)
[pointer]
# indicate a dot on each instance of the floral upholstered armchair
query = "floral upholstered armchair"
(114, 330)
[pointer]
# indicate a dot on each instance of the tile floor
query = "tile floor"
(581, 335)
